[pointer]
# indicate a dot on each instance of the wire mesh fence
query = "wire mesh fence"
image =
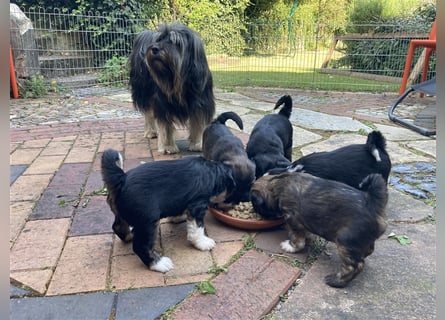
(81, 52)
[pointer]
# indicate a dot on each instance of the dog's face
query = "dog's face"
(351, 218)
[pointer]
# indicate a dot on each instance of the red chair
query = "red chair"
(430, 45)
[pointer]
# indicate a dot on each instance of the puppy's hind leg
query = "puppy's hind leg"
(195, 231)
(143, 246)
(297, 240)
(352, 265)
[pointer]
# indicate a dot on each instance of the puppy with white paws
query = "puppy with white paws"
(142, 196)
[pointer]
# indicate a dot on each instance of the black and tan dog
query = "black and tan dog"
(351, 218)
(220, 144)
(171, 84)
(349, 164)
(270, 142)
(142, 196)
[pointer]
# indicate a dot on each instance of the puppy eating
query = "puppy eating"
(220, 144)
(348, 164)
(270, 143)
(353, 219)
(142, 196)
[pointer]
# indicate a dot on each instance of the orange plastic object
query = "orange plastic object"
(15, 90)
(430, 45)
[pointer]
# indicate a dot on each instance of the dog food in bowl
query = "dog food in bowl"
(243, 216)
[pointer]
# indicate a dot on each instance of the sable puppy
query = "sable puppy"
(348, 164)
(220, 144)
(353, 219)
(155, 190)
(270, 143)
(171, 84)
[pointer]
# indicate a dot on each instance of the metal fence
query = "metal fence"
(78, 52)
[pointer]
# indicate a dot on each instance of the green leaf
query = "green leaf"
(205, 287)
(403, 239)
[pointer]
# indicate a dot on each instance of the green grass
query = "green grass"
(286, 71)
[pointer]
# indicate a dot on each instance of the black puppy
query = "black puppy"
(220, 144)
(142, 196)
(353, 219)
(348, 164)
(270, 143)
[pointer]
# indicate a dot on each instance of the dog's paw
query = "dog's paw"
(168, 149)
(204, 243)
(151, 134)
(164, 264)
(287, 246)
(335, 280)
(197, 146)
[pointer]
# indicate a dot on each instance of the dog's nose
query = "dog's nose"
(154, 50)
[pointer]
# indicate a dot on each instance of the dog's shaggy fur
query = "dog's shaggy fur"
(142, 196)
(270, 143)
(353, 219)
(348, 164)
(171, 84)
(220, 144)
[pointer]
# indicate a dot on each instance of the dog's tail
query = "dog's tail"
(112, 173)
(223, 117)
(375, 186)
(376, 143)
(287, 109)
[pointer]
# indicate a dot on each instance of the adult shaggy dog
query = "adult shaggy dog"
(171, 84)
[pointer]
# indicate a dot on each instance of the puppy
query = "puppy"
(348, 164)
(353, 219)
(220, 144)
(270, 143)
(142, 196)
(171, 84)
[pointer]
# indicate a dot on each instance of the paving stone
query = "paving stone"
(81, 154)
(402, 207)
(29, 188)
(18, 215)
(137, 151)
(129, 272)
(37, 280)
(187, 260)
(427, 146)
(71, 174)
(220, 232)
(15, 291)
(24, 156)
(56, 202)
(72, 307)
(94, 183)
(184, 279)
(15, 172)
(87, 140)
(83, 265)
(40, 143)
(133, 163)
(224, 251)
(39, 244)
(45, 164)
(93, 216)
(135, 137)
(264, 279)
(57, 148)
(116, 143)
(385, 289)
(149, 303)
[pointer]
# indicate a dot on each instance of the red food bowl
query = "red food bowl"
(246, 224)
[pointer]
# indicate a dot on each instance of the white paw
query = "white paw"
(197, 237)
(163, 265)
(168, 149)
(204, 243)
(288, 247)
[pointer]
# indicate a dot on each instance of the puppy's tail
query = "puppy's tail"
(223, 117)
(376, 143)
(287, 109)
(375, 186)
(112, 173)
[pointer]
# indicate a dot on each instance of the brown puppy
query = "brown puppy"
(353, 219)
(220, 144)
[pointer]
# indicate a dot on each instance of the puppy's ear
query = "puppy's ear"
(256, 198)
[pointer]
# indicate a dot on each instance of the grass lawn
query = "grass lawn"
(285, 71)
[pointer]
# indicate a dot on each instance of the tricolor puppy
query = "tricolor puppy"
(348, 164)
(351, 218)
(220, 144)
(142, 196)
(270, 142)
